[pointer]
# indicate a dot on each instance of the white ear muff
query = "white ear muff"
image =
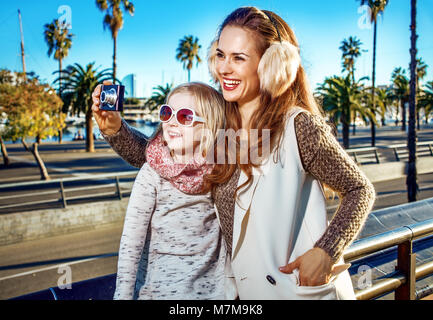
(278, 68)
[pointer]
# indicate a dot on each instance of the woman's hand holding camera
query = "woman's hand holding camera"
(109, 122)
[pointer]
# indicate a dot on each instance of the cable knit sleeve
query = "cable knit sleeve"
(129, 143)
(324, 158)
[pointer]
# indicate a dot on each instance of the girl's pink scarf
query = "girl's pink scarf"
(187, 177)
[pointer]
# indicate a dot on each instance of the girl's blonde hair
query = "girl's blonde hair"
(210, 105)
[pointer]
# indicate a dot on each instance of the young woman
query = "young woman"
(273, 214)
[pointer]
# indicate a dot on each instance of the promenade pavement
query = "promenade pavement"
(70, 159)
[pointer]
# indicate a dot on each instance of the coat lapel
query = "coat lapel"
(241, 214)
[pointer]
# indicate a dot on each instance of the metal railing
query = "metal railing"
(63, 190)
(356, 151)
(399, 151)
(403, 280)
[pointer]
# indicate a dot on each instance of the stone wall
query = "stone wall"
(30, 225)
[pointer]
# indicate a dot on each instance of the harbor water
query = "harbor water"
(78, 132)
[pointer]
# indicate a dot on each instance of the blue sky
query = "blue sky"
(147, 43)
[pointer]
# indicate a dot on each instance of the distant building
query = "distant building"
(130, 83)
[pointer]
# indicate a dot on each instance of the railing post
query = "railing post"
(355, 158)
(396, 154)
(406, 264)
(62, 192)
(376, 155)
(119, 193)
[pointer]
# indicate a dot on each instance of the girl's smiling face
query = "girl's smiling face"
(181, 140)
(237, 60)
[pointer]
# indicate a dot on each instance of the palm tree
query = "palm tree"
(78, 84)
(160, 93)
(187, 52)
(59, 41)
(376, 8)
(340, 98)
(384, 99)
(421, 72)
(113, 20)
(411, 179)
(401, 92)
(351, 49)
(375, 108)
(159, 97)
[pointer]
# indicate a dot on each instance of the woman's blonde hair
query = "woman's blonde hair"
(210, 105)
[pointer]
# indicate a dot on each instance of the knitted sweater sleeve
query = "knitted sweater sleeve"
(324, 158)
(129, 143)
(138, 215)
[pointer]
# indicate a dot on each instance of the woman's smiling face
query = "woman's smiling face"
(237, 60)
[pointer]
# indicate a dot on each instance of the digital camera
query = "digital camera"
(111, 98)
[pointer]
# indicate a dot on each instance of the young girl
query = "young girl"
(171, 246)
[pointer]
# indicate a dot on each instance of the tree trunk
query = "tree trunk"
(189, 75)
(60, 78)
(411, 179)
(60, 95)
(396, 113)
(4, 152)
(345, 135)
(403, 114)
(345, 123)
(60, 135)
(373, 79)
(40, 162)
(90, 145)
(23, 141)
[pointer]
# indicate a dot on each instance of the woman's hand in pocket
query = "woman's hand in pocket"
(314, 266)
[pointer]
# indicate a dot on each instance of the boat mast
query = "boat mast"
(22, 43)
